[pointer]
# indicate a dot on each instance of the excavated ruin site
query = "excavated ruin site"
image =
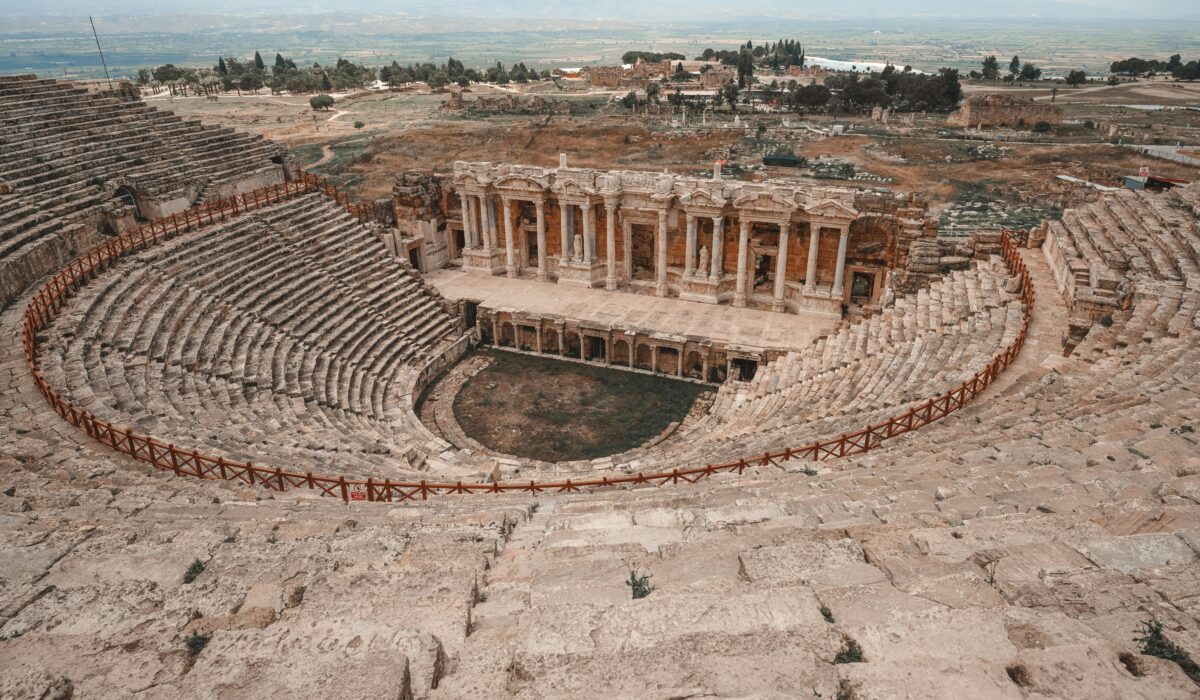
(266, 437)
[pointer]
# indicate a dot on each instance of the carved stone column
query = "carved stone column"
(739, 293)
(564, 213)
(839, 273)
(627, 232)
(689, 262)
(510, 262)
(781, 268)
(660, 267)
(540, 205)
(485, 217)
(610, 230)
(814, 240)
(569, 214)
(589, 232)
(718, 248)
(466, 220)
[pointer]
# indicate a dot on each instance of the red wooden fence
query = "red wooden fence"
(46, 304)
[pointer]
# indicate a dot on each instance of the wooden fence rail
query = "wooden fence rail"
(47, 303)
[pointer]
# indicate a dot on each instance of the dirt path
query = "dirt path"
(326, 156)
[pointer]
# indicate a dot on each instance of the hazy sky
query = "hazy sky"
(635, 10)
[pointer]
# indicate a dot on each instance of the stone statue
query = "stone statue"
(702, 268)
(578, 247)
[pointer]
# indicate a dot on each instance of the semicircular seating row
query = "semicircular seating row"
(60, 146)
(924, 344)
(280, 337)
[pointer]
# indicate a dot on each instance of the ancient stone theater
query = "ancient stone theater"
(252, 443)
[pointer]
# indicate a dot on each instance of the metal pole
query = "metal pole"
(102, 61)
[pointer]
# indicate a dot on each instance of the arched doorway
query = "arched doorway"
(620, 352)
(550, 342)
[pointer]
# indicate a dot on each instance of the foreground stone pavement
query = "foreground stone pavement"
(1012, 549)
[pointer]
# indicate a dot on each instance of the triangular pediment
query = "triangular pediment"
(765, 201)
(520, 182)
(832, 209)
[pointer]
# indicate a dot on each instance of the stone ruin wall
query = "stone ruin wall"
(889, 224)
(1005, 111)
(506, 104)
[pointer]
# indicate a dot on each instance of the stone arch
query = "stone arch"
(668, 360)
(124, 192)
(620, 353)
(572, 343)
(508, 335)
(643, 356)
(550, 343)
(526, 337)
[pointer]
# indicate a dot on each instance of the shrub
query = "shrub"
(850, 653)
(196, 568)
(359, 125)
(320, 102)
(1042, 127)
(1106, 320)
(827, 614)
(639, 586)
(1154, 643)
(196, 642)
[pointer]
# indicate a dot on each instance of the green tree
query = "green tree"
(221, 66)
(1030, 72)
(167, 73)
(321, 102)
(730, 93)
(991, 68)
(1014, 66)
(1076, 77)
(745, 67)
(258, 62)
(250, 82)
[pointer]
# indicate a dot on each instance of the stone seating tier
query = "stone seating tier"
(231, 338)
(64, 150)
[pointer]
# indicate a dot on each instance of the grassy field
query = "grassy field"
(555, 411)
